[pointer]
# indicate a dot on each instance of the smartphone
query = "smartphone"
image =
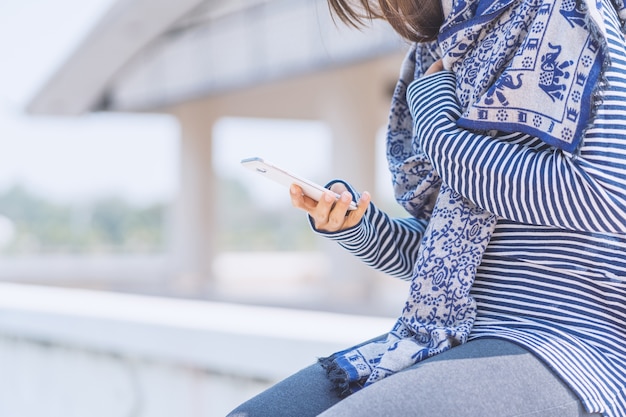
(286, 178)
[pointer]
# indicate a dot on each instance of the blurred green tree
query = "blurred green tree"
(106, 225)
(245, 226)
(112, 225)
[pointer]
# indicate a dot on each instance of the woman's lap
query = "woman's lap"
(482, 377)
(304, 394)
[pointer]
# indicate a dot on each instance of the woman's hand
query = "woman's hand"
(329, 214)
(435, 67)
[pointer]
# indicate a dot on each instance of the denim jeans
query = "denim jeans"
(487, 377)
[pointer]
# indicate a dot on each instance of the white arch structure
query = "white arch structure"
(200, 60)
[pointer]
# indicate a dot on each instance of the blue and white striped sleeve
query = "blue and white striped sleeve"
(532, 185)
(386, 244)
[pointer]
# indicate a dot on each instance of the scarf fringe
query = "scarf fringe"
(337, 376)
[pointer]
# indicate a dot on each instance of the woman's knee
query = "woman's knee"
(306, 393)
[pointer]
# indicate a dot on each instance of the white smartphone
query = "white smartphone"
(286, 178)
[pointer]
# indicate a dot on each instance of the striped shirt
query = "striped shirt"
(553, 278)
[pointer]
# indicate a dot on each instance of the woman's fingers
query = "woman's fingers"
(322, 215)
(299, 200)
(355, 216)
(436, 67)
(338, 216)
(330, 214)
(318, 210)
(338, 213)
(338, 188)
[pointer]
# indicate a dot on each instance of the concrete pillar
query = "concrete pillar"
(355, 107)
(354, 123)
(353, 101)
(194, 212)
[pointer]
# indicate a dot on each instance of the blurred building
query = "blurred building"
(201, 60)
(75, 352)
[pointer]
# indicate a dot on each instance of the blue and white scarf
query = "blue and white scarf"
(530, 66)
(526, 66)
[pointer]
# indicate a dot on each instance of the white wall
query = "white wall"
(52, 380)
(78, 353)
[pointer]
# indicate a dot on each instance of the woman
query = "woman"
(511, 162)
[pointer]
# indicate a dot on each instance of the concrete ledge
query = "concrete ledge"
(256, 342)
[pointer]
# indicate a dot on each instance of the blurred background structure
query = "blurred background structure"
(145, 273)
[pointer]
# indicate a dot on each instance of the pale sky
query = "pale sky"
(72, 158)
